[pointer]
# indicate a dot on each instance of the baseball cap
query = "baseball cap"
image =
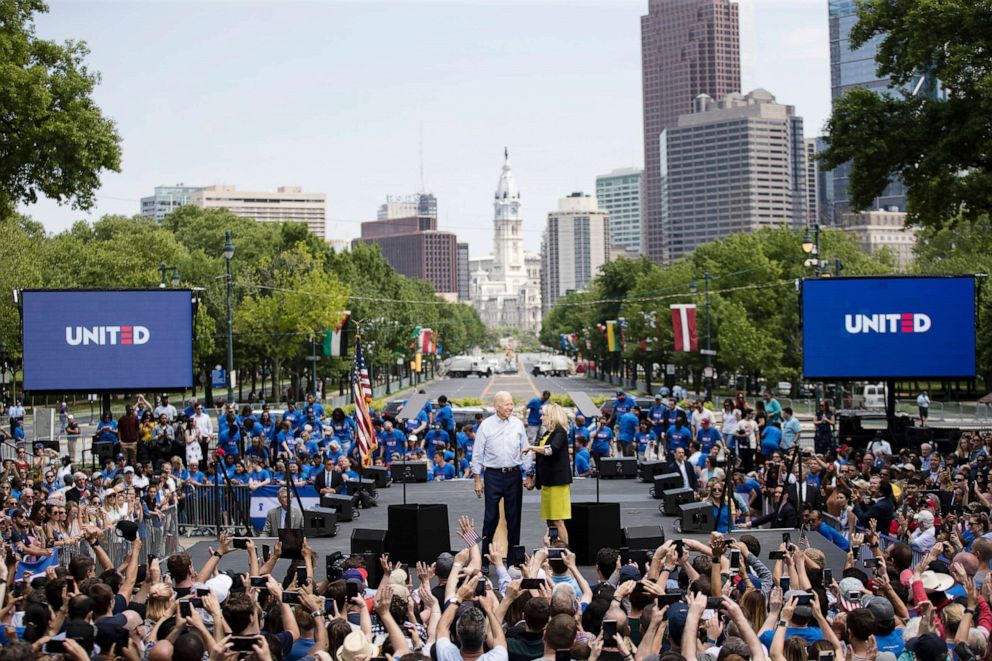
(881, 608)
(629, 573)
(353, 575)
(677, 615)
(849, 589)
(220, 586)
(928, 647)
(129, 469)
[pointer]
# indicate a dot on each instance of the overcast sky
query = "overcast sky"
(332, 95)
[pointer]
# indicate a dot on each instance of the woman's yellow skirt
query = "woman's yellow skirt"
(556, 503)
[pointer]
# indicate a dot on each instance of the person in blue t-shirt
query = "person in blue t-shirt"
(313, 406)
(583, 468)
(192, 474)
(445, 418)
(292, 416)
(342, 426)
(771, 438)
(259, 476)
(106, 430)
(645, 440)
(534, 407)
(627, 426)
(707, 435)
(392, 441)
(240, 476)
(678, 436)
(749, 488)
(621, 404)
(578, 430)
(436, 439)
(602, 441)
(466, 440)
(268, 425)
(657, 416)
(464, 464)
(442, 469)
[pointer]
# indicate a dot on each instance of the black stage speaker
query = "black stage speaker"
(409, 471)
(593, 526)
(676, 497)
(378, 474)
(643, 537)
(104, 452)
(369, 540)
(320, 522)
(665, 481)
(341, 504)
(418, 532)
(697, 517)
(646, 470)
(618, 467)
(361, 484)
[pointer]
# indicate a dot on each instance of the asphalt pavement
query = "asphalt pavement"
(522, 385)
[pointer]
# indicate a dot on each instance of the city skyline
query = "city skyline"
(345, 89)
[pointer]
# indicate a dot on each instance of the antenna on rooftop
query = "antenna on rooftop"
(423, 189)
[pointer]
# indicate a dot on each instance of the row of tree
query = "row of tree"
(289, 287)
(754, 301)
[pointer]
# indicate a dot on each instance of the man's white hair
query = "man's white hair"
(502, 394)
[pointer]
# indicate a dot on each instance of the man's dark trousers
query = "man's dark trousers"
(507, 486)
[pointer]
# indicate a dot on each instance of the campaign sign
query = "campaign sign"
(881, 328)
(127, 340)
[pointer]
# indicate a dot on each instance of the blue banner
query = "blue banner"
(266, 498)
(879, 328)
(108, 340)
(37, 567)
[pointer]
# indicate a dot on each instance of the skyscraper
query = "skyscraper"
(417, 249)
(576, 244)
(736, 165)
(857, 68)
(619, 192)
(688, 48)
(287, 204)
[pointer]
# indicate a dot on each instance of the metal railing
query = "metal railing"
(201, 511)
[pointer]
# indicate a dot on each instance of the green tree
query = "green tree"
(938, 144)
(290, 300)
(53, 138)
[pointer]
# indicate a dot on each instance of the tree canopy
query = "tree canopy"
(54, 139)
(289, 287)
(933, 134)
(754, 306)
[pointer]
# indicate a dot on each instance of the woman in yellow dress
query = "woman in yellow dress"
(553, 469)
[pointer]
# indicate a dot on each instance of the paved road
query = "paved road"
(521, 385)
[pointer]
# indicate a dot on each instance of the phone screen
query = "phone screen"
(266, 551)
(735, 559)
(517, 555)
(786, 538)
(186, 609)
(301, 575)
(242, 643)
(785, 583)
(55, 647)
(290, 597)
(258, 581)
(240, 542)
(480, 588)
(828, 577)
(531, 584)
(352, 588)
(609, 631)
(552, 532)
(679, 547)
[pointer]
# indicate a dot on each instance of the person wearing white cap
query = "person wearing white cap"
(924, 537)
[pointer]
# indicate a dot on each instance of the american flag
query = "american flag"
(362, 390)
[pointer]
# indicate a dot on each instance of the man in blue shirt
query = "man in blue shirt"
(442, 469)
(815, 522)
(791, 429)
(748, 487)
(707, 435)
(582, 458)
(436, 439)
(621, 405)
(292, 416)
(534, 407)
(657, 415)
(626, 428)
(678, 436)
(392, 441)
(445, 418)
(314, 407)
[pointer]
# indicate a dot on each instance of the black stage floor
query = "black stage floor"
(637, 508)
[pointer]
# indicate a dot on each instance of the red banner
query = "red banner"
(684, 327)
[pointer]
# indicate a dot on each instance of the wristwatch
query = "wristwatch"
(783, 623)
(218, 554)
(316, 614)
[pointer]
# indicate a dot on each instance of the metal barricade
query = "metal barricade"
(207, 509)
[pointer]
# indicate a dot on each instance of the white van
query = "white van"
(873, 396)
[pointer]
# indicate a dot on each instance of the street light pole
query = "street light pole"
(812, 247)
(174, 270)
(228, 254)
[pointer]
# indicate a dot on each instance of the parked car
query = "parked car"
(783, 388)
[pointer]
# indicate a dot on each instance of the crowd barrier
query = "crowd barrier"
(209, 509)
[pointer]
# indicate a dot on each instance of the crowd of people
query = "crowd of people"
(913, 522)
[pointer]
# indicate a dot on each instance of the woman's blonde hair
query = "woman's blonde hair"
(159, 601)
(556, 416)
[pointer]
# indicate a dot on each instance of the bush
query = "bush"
(467, 401)
(562, 400)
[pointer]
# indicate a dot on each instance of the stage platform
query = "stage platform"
(637, 508)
